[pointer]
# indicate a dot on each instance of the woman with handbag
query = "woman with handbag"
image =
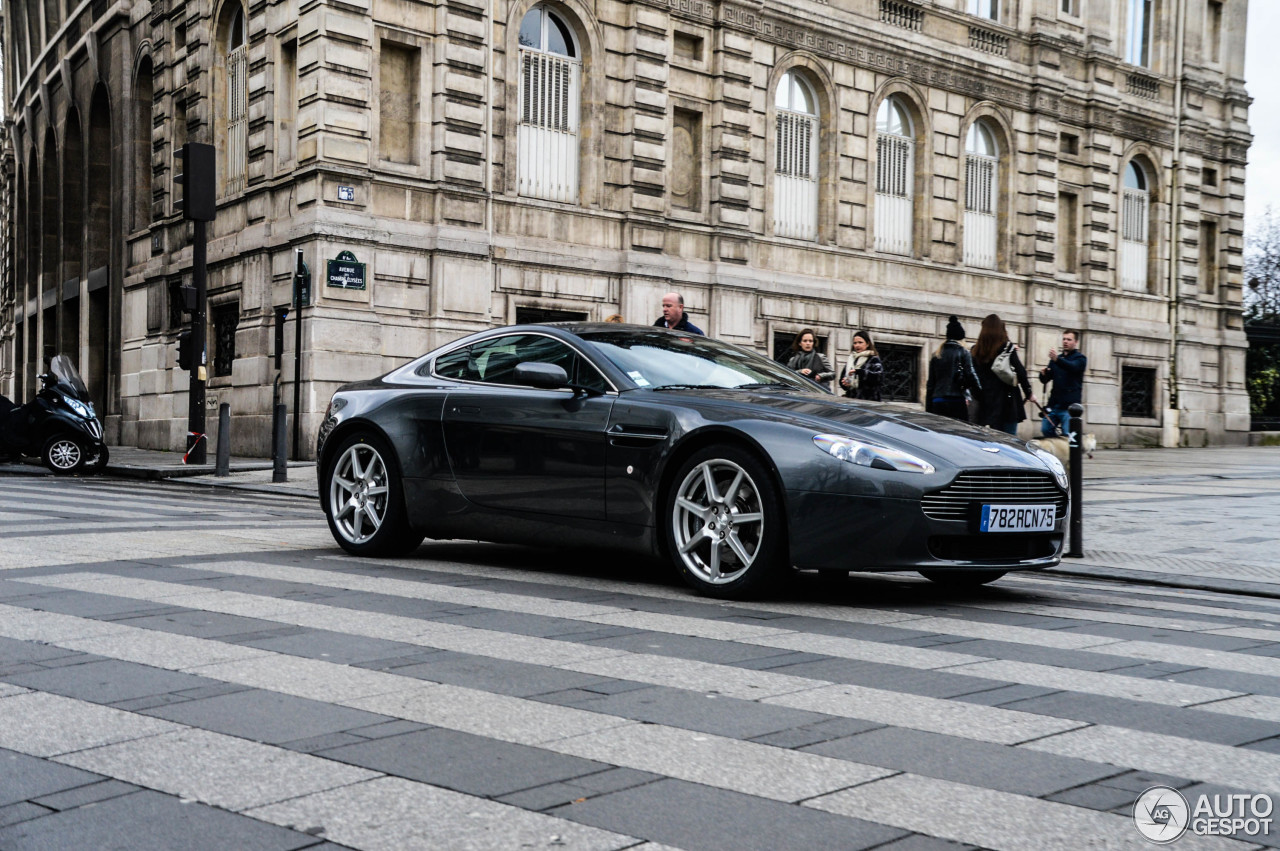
(808, 361)
(1005, 386)
(863, 371)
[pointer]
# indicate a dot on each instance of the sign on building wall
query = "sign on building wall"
(345, 272)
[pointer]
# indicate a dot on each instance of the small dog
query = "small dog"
(1060, 447)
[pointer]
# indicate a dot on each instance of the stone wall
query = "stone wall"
(390, 130)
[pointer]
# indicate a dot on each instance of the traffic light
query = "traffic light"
(186, 351)
(196, 176)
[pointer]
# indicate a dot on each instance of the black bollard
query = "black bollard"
(279, 453)
(1075, 437)
(223, 467)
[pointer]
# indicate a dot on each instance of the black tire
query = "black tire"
(961, 578)
(730, 545)
(100, 463)
(63, 455)
(352, 499)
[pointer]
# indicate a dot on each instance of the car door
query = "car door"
(520, 448)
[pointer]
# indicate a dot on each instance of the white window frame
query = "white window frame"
(1135, 230)
(981, 197)
(895, 183)
(550, 103)
(1137, 45)
(989, 9)
(795, 176)
(237, 103)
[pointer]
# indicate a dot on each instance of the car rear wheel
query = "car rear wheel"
(724, 530)
(366, 503)
(962, 578)
(63, 455)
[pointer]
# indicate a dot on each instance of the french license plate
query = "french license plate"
(1017, 518)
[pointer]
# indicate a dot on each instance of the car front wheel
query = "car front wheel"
(724, 529)
(366, 505)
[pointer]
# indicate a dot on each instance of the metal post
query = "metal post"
(279, 449)
(1074, 434)
(297, 353)
(224, 441)
(196, 442)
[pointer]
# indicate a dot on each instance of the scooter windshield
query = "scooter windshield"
(65, 370)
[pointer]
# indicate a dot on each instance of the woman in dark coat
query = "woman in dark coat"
(950, 376)
(808, 361)
(862, 373)
(1000, 405)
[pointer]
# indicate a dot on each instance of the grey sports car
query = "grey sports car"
(734, 468)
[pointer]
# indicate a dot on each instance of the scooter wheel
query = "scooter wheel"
(63, 455)
(100, 463)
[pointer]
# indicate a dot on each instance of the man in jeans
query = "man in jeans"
(1066, 372)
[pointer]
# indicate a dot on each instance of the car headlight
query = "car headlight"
(870, 454)
(79, 407)
(1055, 466)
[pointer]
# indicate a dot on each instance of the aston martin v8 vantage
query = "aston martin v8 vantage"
(730, 466)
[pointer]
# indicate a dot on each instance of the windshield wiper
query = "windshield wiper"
(690, 387)
(764, 385)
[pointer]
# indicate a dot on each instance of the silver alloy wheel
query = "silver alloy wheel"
(65, 454)
(718, 521)
(358, 493)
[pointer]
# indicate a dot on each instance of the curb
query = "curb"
(1189, 583)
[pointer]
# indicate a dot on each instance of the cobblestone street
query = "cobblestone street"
(199, 667)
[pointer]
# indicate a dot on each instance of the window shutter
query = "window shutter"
(1134, 223)
(795, 181)
(547, 137)
(894, 188)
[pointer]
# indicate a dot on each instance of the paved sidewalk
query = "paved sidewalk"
(1188, 518)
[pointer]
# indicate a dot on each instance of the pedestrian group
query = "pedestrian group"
(986, 384)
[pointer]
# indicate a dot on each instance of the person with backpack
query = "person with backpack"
(951, 376)
(863, 371)
(1005, 386)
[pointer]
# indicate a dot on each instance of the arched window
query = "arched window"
(237, 101)
(1135, 215)
(895, 177)
(795, 176)
(981, 226)
(143, 119)
(550, 101)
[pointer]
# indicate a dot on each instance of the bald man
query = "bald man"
(673, 315)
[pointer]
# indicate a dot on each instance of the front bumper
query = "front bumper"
(842, 532)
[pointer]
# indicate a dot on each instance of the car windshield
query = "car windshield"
(62, 367)
(662, 360)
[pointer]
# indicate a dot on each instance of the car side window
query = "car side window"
(494, 361)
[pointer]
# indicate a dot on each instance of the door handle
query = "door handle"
(466, 409)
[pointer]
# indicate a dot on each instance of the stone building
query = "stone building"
(848, 164)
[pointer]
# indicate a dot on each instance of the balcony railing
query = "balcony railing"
(988, 41)
(1144, 87)
(899, 14)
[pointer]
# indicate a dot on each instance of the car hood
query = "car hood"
(949, 441)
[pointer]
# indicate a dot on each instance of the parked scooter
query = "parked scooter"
(59, 425)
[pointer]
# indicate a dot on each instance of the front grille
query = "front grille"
(1006, 487)
(1011, 547)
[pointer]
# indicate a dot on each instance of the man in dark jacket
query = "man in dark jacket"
(673, 315)
(1066, 372)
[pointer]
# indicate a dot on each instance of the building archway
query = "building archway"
(72, 252)
(102, 303)
(49, 231)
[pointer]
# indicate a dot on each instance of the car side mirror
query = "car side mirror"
(544, 376)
